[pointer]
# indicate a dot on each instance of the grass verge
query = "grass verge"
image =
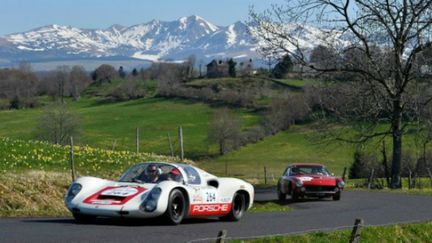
(273, 206)
(33, 193)
(419, 232)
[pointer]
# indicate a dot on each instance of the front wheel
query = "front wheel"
(176, 207)
(337, 196)
(294, 196)
(238, 207)
(280, 194)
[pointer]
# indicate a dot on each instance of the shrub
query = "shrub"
(363, 165)
(4, 104)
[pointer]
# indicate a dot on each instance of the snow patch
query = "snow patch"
(143, 56)
(30, 49)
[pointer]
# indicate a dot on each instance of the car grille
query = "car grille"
(109, 197)
(319, 188)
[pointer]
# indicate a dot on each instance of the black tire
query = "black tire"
(281, 196)
(238, 208)
(83, 218)
(294, 196)
(176, 207)
(337, 196)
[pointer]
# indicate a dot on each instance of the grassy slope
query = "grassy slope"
(102, 124)
(298, 82)
(295, 145)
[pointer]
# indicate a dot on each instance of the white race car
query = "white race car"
(152, 189)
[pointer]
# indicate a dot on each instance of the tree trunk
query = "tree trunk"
(385, 164)
(397, 144)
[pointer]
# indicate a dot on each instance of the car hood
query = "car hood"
(317, 180)
(118, 193)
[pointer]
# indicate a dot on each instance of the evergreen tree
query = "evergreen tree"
(283, 67)
(232, 67)
(121, 72)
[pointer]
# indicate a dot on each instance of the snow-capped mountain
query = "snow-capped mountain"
(153, 41)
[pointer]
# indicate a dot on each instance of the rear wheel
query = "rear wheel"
(176, 207)
(238, 208)
(83, 218)
(281, 195)
(337, 196)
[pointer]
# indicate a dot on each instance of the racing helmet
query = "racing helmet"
(152, 169)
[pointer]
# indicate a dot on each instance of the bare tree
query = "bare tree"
(190, 65)
(62, 81)
(285, 112)
(57, 124)
(224, 130)
(79, 80)
(270, 58)
(401, 28)
(104, 73)
(19, 86)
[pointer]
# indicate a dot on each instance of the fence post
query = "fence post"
(344, 173)
(71, 157)
(409, 179)
(355, 234)
(170, 145)
(226, 168)
(114, 144)
(371, 179)
(265, 175)
(221, 236)
(137, 140)
(181, 143)
(430, 175)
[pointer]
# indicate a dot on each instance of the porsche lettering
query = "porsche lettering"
(210, 208)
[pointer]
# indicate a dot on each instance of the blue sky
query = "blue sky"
(23, 15)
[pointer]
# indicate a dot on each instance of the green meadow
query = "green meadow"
(108, 125)
(298, 144)
(114, 124)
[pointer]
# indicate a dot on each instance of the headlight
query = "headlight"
(150, 203)
(74, 189)
(299, 183)
(340, 184)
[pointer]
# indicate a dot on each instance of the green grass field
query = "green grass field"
(298, 144)
(298, 82)
(102, 124)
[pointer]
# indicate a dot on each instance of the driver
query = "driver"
(152, 173)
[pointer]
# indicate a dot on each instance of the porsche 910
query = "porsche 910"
(173, 191)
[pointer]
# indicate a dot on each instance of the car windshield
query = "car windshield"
(152, 173)
(309, 170)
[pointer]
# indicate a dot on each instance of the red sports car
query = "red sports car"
(309, 179)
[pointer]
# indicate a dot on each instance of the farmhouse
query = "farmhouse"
(217, 69)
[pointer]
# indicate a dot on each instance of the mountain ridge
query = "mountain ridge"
(152, 41)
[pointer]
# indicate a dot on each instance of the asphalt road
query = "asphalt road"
(374, 207)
